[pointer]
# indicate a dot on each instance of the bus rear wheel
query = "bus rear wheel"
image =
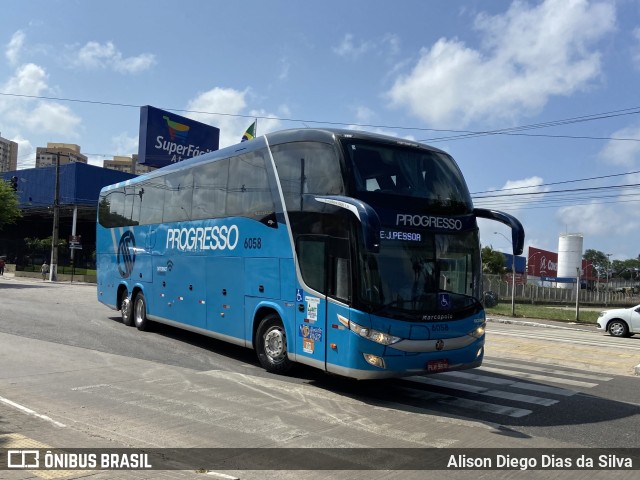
(140, 312)
(125, 308)
(271, 345)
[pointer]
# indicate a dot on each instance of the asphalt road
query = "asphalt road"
(73, 376)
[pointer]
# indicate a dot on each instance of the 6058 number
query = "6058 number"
(253, 243)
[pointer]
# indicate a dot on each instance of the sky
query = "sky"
(537, 101)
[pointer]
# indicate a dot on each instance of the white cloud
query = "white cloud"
(96, 55)
(597, 219)
(285, 66)
(125, 144)
(622, 153)
(14, 47)
(635, 52)
(350, 48)
(26, 153)
(235, 120)
(528, 54)
(364, 114)
(34, 114)
(54, 118)
(512, 197)
(29, 79)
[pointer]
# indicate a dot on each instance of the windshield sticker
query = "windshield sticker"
(444, 301)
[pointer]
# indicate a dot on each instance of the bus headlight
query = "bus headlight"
(368, 333)
(479, 331)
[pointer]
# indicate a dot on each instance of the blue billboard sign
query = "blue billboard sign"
(167, 138)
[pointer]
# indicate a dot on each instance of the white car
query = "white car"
(620, 322)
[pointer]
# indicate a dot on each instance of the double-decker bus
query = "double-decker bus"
(351, 252)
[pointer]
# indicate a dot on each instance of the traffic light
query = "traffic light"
(14, 183)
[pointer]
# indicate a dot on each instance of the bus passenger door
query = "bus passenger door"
(311, 316)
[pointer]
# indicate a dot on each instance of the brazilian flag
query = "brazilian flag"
(250, 133)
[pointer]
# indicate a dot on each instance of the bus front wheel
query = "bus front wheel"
(271, 345)
(140, 312)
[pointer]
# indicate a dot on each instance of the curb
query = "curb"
(529, 323)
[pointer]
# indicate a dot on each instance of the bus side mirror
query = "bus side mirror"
(517, 231)
(367, 217)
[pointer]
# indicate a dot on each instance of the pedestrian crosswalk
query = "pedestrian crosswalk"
(500, 387)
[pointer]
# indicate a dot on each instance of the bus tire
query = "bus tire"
(125, 308)
(140, 312)
(271, 345)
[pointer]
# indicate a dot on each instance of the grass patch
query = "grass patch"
(524, 310)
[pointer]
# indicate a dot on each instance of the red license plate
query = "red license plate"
(434, 366)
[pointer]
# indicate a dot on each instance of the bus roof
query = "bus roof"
(326, 135)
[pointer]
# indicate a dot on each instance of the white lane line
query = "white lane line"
(541, 378)
(221, 475)
(553, 371)
(30, 412)
(512, 383)
(518, 397)
(474, 405)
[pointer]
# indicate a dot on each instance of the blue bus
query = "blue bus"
(351, 252)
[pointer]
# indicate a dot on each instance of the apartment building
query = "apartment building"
(8, 155)
(127, 165)
(68, 153)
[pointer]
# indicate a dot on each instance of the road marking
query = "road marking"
(30, 412)
(222, 475)
(475, 405)
(513, 383)
(542, 378)
(518, 397)
(547, 370)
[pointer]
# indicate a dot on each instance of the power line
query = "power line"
(462, 134)
(559, 183)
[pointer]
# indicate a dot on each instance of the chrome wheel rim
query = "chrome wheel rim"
(139, 312)
(124, 308)
(275, 344)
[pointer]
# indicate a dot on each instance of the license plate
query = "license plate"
(434, 366)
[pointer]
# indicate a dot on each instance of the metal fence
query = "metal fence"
(550, 294)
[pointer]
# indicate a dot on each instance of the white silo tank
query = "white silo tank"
(569, 257)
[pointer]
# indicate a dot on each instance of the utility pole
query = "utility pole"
(53, 273)
(513, 275)
(577, 294)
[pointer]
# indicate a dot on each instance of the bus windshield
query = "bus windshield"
(407, 278)
(387, 169)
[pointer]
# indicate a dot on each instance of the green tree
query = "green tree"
(493, 262)
(598, 259)
(9, 210)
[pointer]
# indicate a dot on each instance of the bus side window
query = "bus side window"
(311, 255)
(152, 201)
(210, 189)
(178, 196)
(307, 167)
(248, 190)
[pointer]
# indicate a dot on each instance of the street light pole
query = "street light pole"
(513, 278)
(53, 272)
(606, 294)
